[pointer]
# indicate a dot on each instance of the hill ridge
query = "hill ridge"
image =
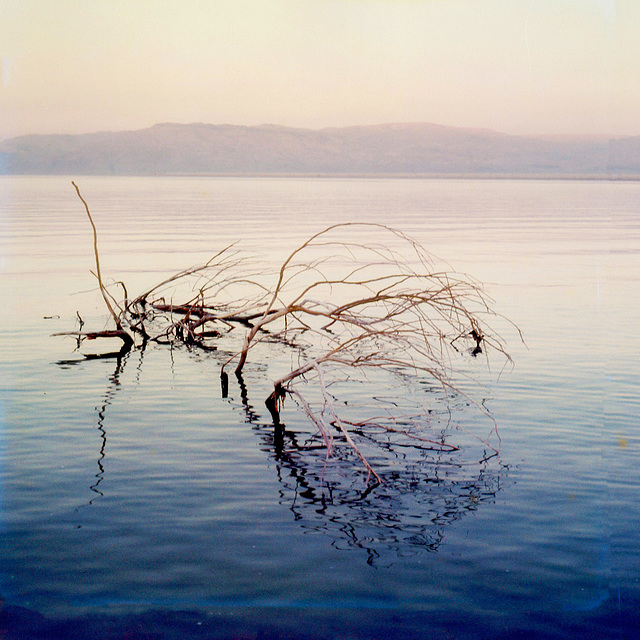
(395, 148)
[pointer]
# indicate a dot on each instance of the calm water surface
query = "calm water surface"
(133, 488)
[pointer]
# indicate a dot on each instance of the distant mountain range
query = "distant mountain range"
(166, 149)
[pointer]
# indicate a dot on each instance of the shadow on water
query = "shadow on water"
(424, 490)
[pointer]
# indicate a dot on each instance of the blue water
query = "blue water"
(134, 496)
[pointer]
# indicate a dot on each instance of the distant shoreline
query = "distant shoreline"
(347, 176)
(415, 176)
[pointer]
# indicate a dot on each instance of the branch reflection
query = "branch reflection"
(423, 491)
(107, 399)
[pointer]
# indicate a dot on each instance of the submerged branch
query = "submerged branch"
(127, 342)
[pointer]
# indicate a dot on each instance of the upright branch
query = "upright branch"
(103, 290)
(119, 332)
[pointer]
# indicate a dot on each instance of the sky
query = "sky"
(517, 66)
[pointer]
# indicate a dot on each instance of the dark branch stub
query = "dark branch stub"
(275, 403)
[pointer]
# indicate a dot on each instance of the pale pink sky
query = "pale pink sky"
(519, 66)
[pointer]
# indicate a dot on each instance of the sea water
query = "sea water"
(133, 487)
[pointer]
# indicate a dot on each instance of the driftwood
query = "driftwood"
(340, 303)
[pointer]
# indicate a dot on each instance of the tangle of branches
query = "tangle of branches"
(354, 297)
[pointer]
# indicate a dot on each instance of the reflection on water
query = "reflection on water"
(119, 359)
(409, 512)
(108, 398)
(424, 488)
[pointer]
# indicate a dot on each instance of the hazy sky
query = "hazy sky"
(519, 66)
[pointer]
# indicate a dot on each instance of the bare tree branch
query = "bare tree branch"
(343, 304)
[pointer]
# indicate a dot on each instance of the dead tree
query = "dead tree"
(352, 297)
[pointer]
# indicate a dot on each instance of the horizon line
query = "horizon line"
(488, 130)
